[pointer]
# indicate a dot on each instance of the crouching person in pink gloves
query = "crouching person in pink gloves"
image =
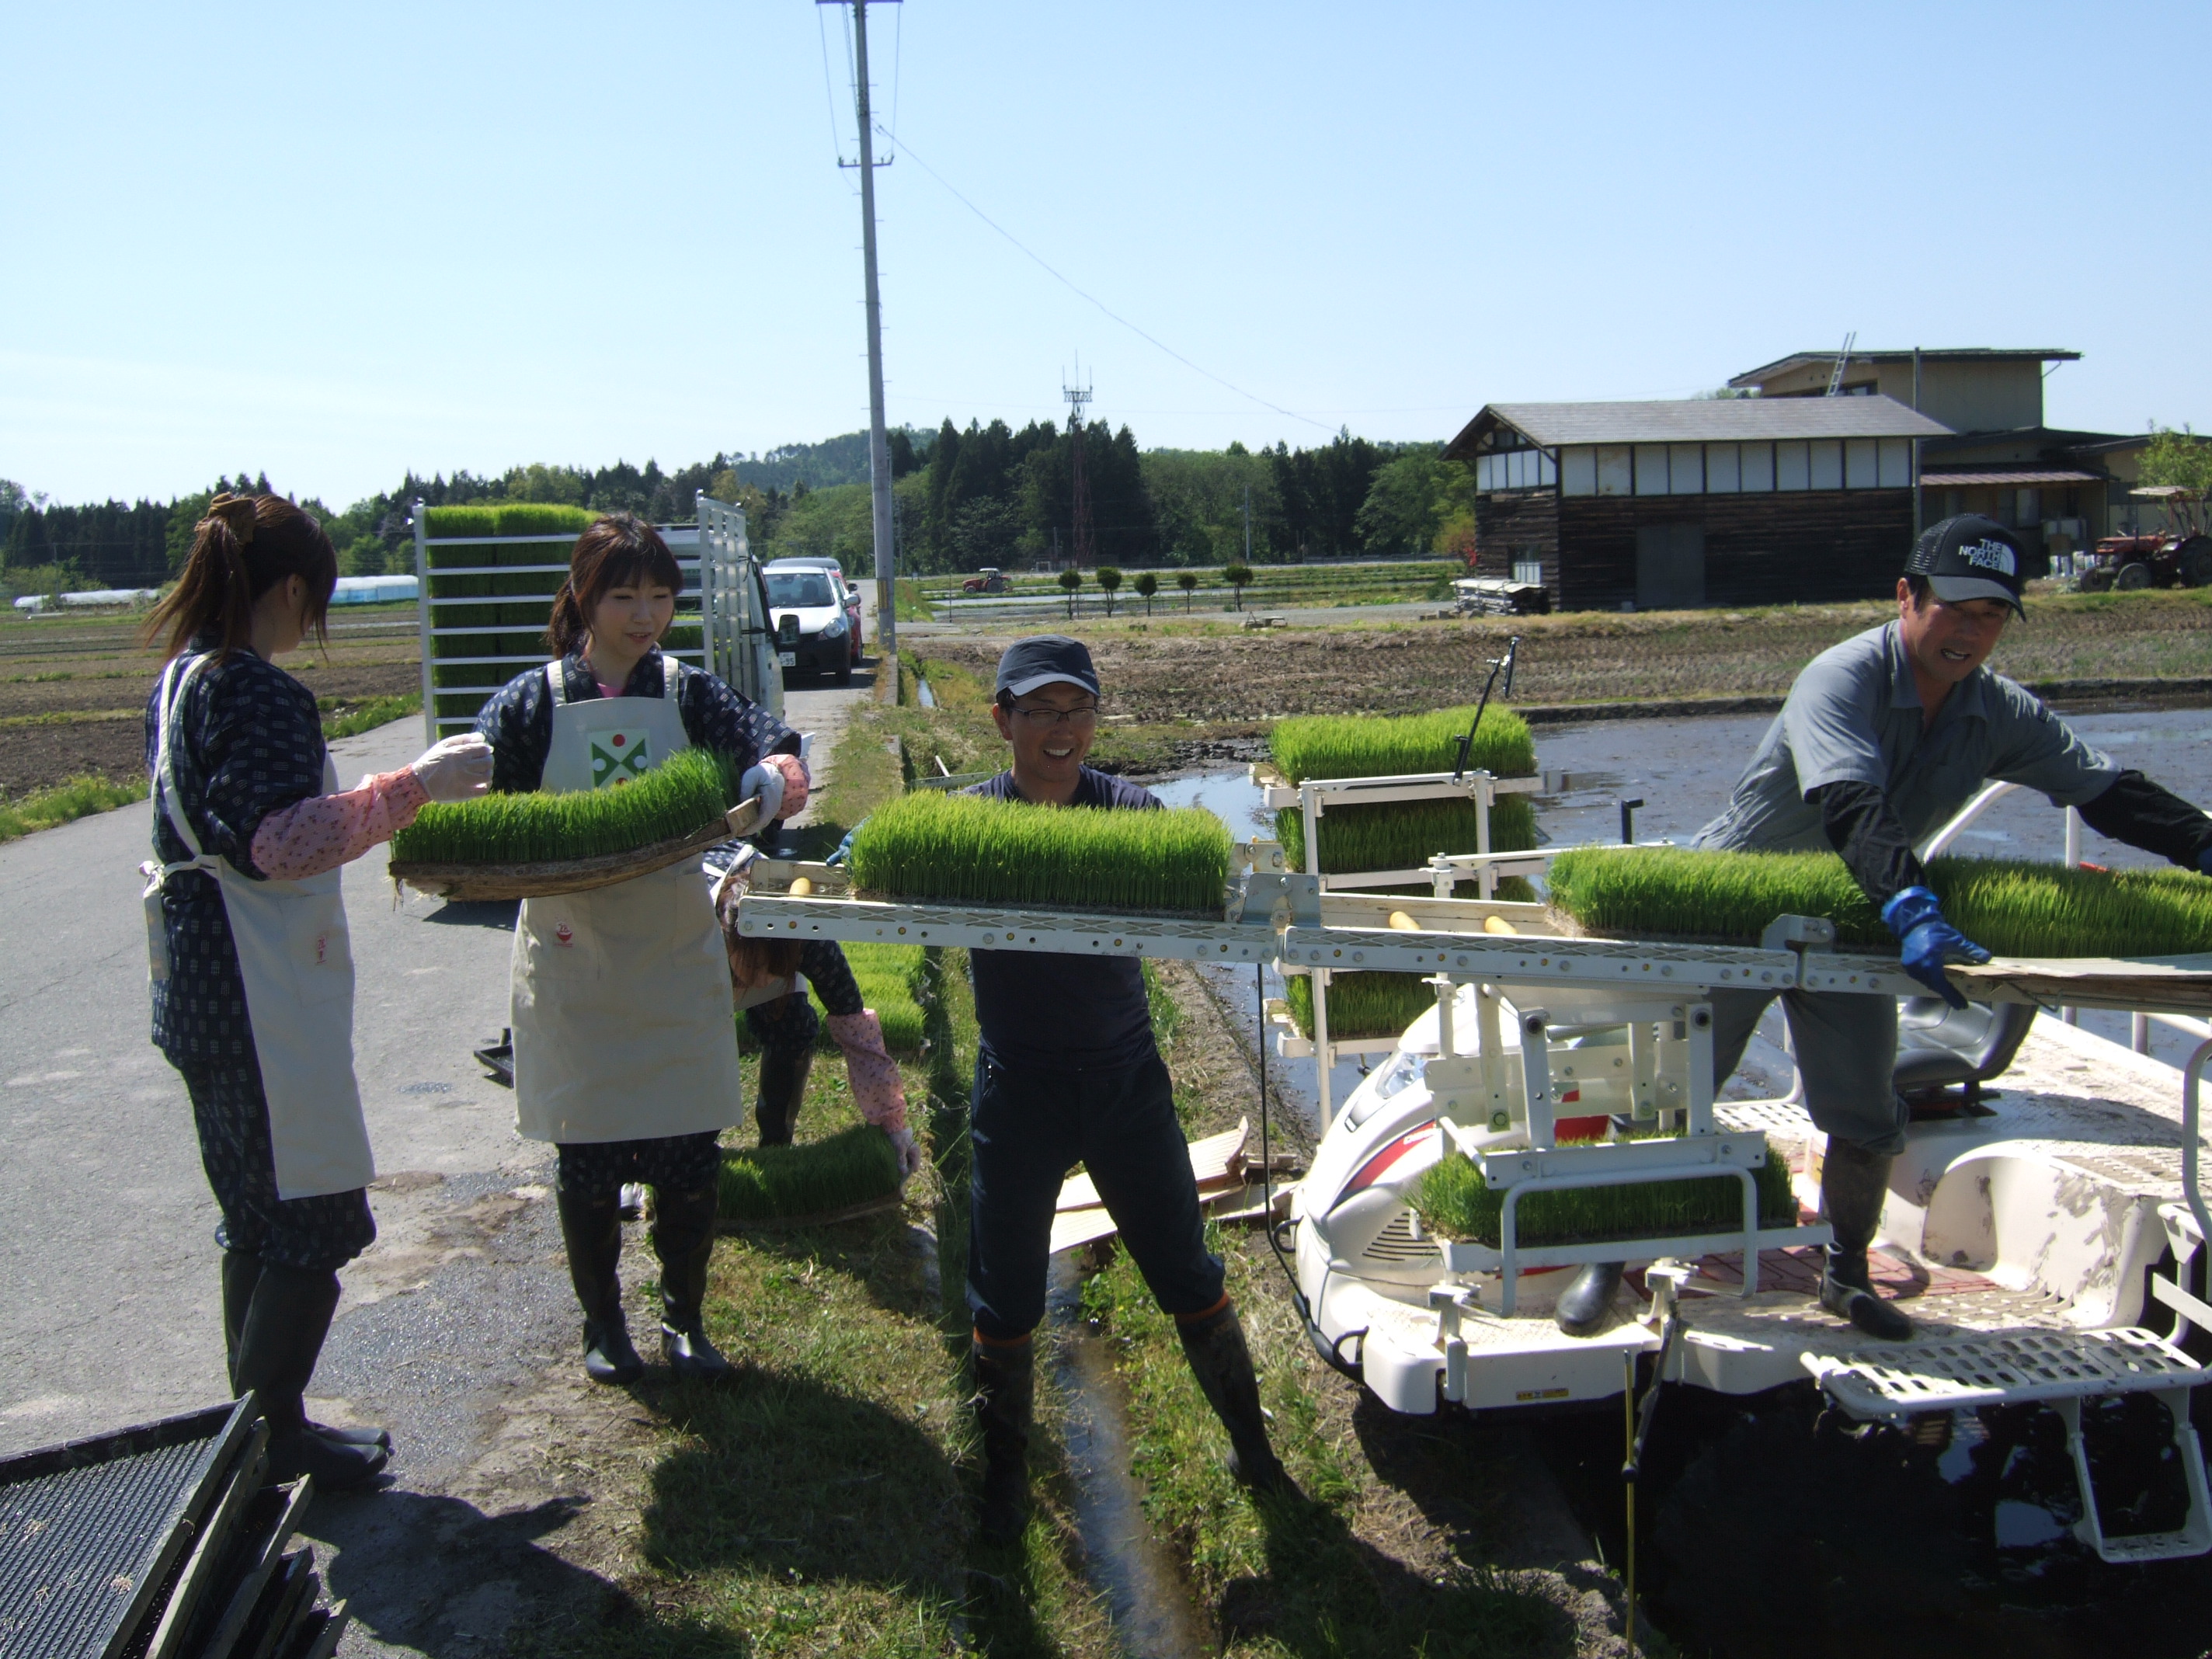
(785, 1027)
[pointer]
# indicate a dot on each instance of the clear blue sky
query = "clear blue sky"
(337, 241)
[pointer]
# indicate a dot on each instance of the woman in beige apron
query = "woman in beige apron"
(252, 972)
(625, 1047)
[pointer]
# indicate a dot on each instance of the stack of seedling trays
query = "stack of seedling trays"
(530, 846)
(1363, 802)
(159, 1542)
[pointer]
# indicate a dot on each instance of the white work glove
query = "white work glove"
(765, 783)
(454, 768)
(909, 1154)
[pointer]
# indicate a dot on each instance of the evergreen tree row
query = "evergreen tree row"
(985, 495)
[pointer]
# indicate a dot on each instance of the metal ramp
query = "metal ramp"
(2059, 1367)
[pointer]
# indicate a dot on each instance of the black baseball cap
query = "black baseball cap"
(1046, 660)
(1970, 557)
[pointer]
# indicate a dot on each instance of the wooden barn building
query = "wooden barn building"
(1725, 500)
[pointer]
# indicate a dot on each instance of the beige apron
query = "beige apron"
(297, 959)
(621, 996)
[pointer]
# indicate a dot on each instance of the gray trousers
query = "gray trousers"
(1846, 1049)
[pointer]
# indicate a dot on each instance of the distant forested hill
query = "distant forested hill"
(963, 498)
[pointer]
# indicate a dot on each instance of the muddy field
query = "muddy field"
(1220, 677)
(72, 695)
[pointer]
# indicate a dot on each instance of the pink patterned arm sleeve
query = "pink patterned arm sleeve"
(876, 1089)
(795, 782)
(324, 831)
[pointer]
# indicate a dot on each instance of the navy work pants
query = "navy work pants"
(1029, 1127)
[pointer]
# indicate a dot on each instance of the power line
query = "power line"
(1093, 299)
(828, 91)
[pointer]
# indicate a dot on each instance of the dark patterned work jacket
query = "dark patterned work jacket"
(518, 722)
(248, 742)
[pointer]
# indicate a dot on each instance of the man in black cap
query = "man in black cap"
(1882, 740)
(1067, 1072)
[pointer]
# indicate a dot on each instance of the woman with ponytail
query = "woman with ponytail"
(625, 1051)
(251, 968)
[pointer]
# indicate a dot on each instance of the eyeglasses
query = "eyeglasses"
(1042, 719)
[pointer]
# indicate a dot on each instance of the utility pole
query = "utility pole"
(879, 449)
(1919, 522)
(1248, 524)
(1086, 549)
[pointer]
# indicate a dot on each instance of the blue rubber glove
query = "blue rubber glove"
(2205, 862)
(1928, 941)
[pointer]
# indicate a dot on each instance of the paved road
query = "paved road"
(111, 1310)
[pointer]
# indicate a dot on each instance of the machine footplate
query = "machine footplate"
(1956, 1371)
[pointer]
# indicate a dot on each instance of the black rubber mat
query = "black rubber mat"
(90, 1531)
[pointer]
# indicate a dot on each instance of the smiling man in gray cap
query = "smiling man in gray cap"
(1068, 1072)
(1883, 738)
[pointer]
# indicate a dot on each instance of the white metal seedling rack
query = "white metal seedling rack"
(1659, 992)
(722, 597)
(1312, 799)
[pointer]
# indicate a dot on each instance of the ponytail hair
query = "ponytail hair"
(620, 550)
(245, 545)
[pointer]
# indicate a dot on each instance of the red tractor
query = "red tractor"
(2180, 552)
(986, 581)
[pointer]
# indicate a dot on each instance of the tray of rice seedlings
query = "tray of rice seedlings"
(966, 850)
(1360, 1005)
(2037, 911)
(854, 1172)
(529, 846)
(1454, 1201)
(1405, 834)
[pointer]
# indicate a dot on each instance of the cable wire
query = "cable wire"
(828, 90)
(1090, 298)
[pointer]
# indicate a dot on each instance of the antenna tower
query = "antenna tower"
(1087, 547)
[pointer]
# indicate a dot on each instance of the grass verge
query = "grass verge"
(79, 797)
(348, 717)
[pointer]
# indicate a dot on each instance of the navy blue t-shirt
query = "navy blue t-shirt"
(1085, 1013)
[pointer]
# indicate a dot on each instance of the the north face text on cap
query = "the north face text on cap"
(1990, 556)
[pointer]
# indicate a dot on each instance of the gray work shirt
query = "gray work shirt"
(1855, 715)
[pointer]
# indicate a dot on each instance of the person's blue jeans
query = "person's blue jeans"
(1029, 1127)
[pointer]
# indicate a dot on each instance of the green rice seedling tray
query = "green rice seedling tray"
(530, 846)
(853, 1173)
(1366, 746)
(1454, 1201)
(965, 849)
(2012, 908)
(1403, 836)
(1360, 1005)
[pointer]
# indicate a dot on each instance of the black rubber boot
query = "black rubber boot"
(782, 1086)
(242, 1272)
(591, 1229)
(1587, 1303)
(279, 1341)
(1853, 1183)
(683, 1238)
(1006, 1389)
(1223, 1364)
